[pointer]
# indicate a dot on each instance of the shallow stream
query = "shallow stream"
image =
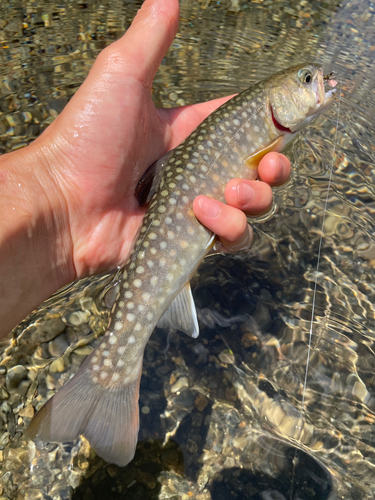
(225, 416)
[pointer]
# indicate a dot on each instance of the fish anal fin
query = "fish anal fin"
(150, 180)
(107, 416)
(253, 161)
(181, 314)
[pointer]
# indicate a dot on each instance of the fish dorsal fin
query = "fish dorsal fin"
(150, 180)
(181, 314)
(254, 160)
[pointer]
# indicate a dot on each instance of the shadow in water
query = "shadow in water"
(311, 481)
(136, 481)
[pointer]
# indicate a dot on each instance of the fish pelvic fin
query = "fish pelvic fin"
(107, 416)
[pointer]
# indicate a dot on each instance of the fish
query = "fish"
(101, 401)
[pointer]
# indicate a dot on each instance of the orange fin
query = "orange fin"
(254, 160)
(107, 417)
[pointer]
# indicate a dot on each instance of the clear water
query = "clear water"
(228, 405)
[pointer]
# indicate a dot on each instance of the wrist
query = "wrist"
(35, 244)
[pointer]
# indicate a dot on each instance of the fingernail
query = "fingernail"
(209, 207)
(245, 194)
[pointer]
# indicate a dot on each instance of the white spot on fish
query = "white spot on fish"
(150, 263)
(154, 280)
(105, 353)
(131, 339)
(171, 235)
(121, 303)
(140, 270)
(153, 251)
(121, 350)
(118, 325)
(163, 245)
(130, 317)
(120, 363)
(149, 316)
(128, 294)
(130, 305)
(168, 220)
(112, 340)
(152, 236)
(138, 327)
(103, 375)
(172, 201)
(137, 283)
(107, 362)
(96, 368)
(118, 314)
(115, 377)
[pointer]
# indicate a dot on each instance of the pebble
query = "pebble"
(57, 366)
(48, 330)
(145, 410)
(200, 402)
(110, 296)
(86, 303)
(15, 375)
(77, 317)
(181, 382)
(23, 388)
(112, 470)
(28, 412)
(4, 394)
(227, 357)
(58, 346)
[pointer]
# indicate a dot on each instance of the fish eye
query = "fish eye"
(305, 76)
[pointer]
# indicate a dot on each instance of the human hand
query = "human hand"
(110, 132)
(67, 200)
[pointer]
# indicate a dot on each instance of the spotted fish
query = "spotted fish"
(101, 400)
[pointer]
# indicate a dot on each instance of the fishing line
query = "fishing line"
(316, 282)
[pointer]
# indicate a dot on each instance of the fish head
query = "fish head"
(298, 95)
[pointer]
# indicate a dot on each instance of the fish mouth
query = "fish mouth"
(278, 125)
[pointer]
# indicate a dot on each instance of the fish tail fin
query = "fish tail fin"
(107, 416)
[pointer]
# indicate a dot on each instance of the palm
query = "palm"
(106, 138)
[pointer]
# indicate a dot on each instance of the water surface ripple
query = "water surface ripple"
(222, 415)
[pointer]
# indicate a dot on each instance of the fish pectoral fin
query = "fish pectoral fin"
(254, 160)
(107, 416)
(181, 314)
(150, 180)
